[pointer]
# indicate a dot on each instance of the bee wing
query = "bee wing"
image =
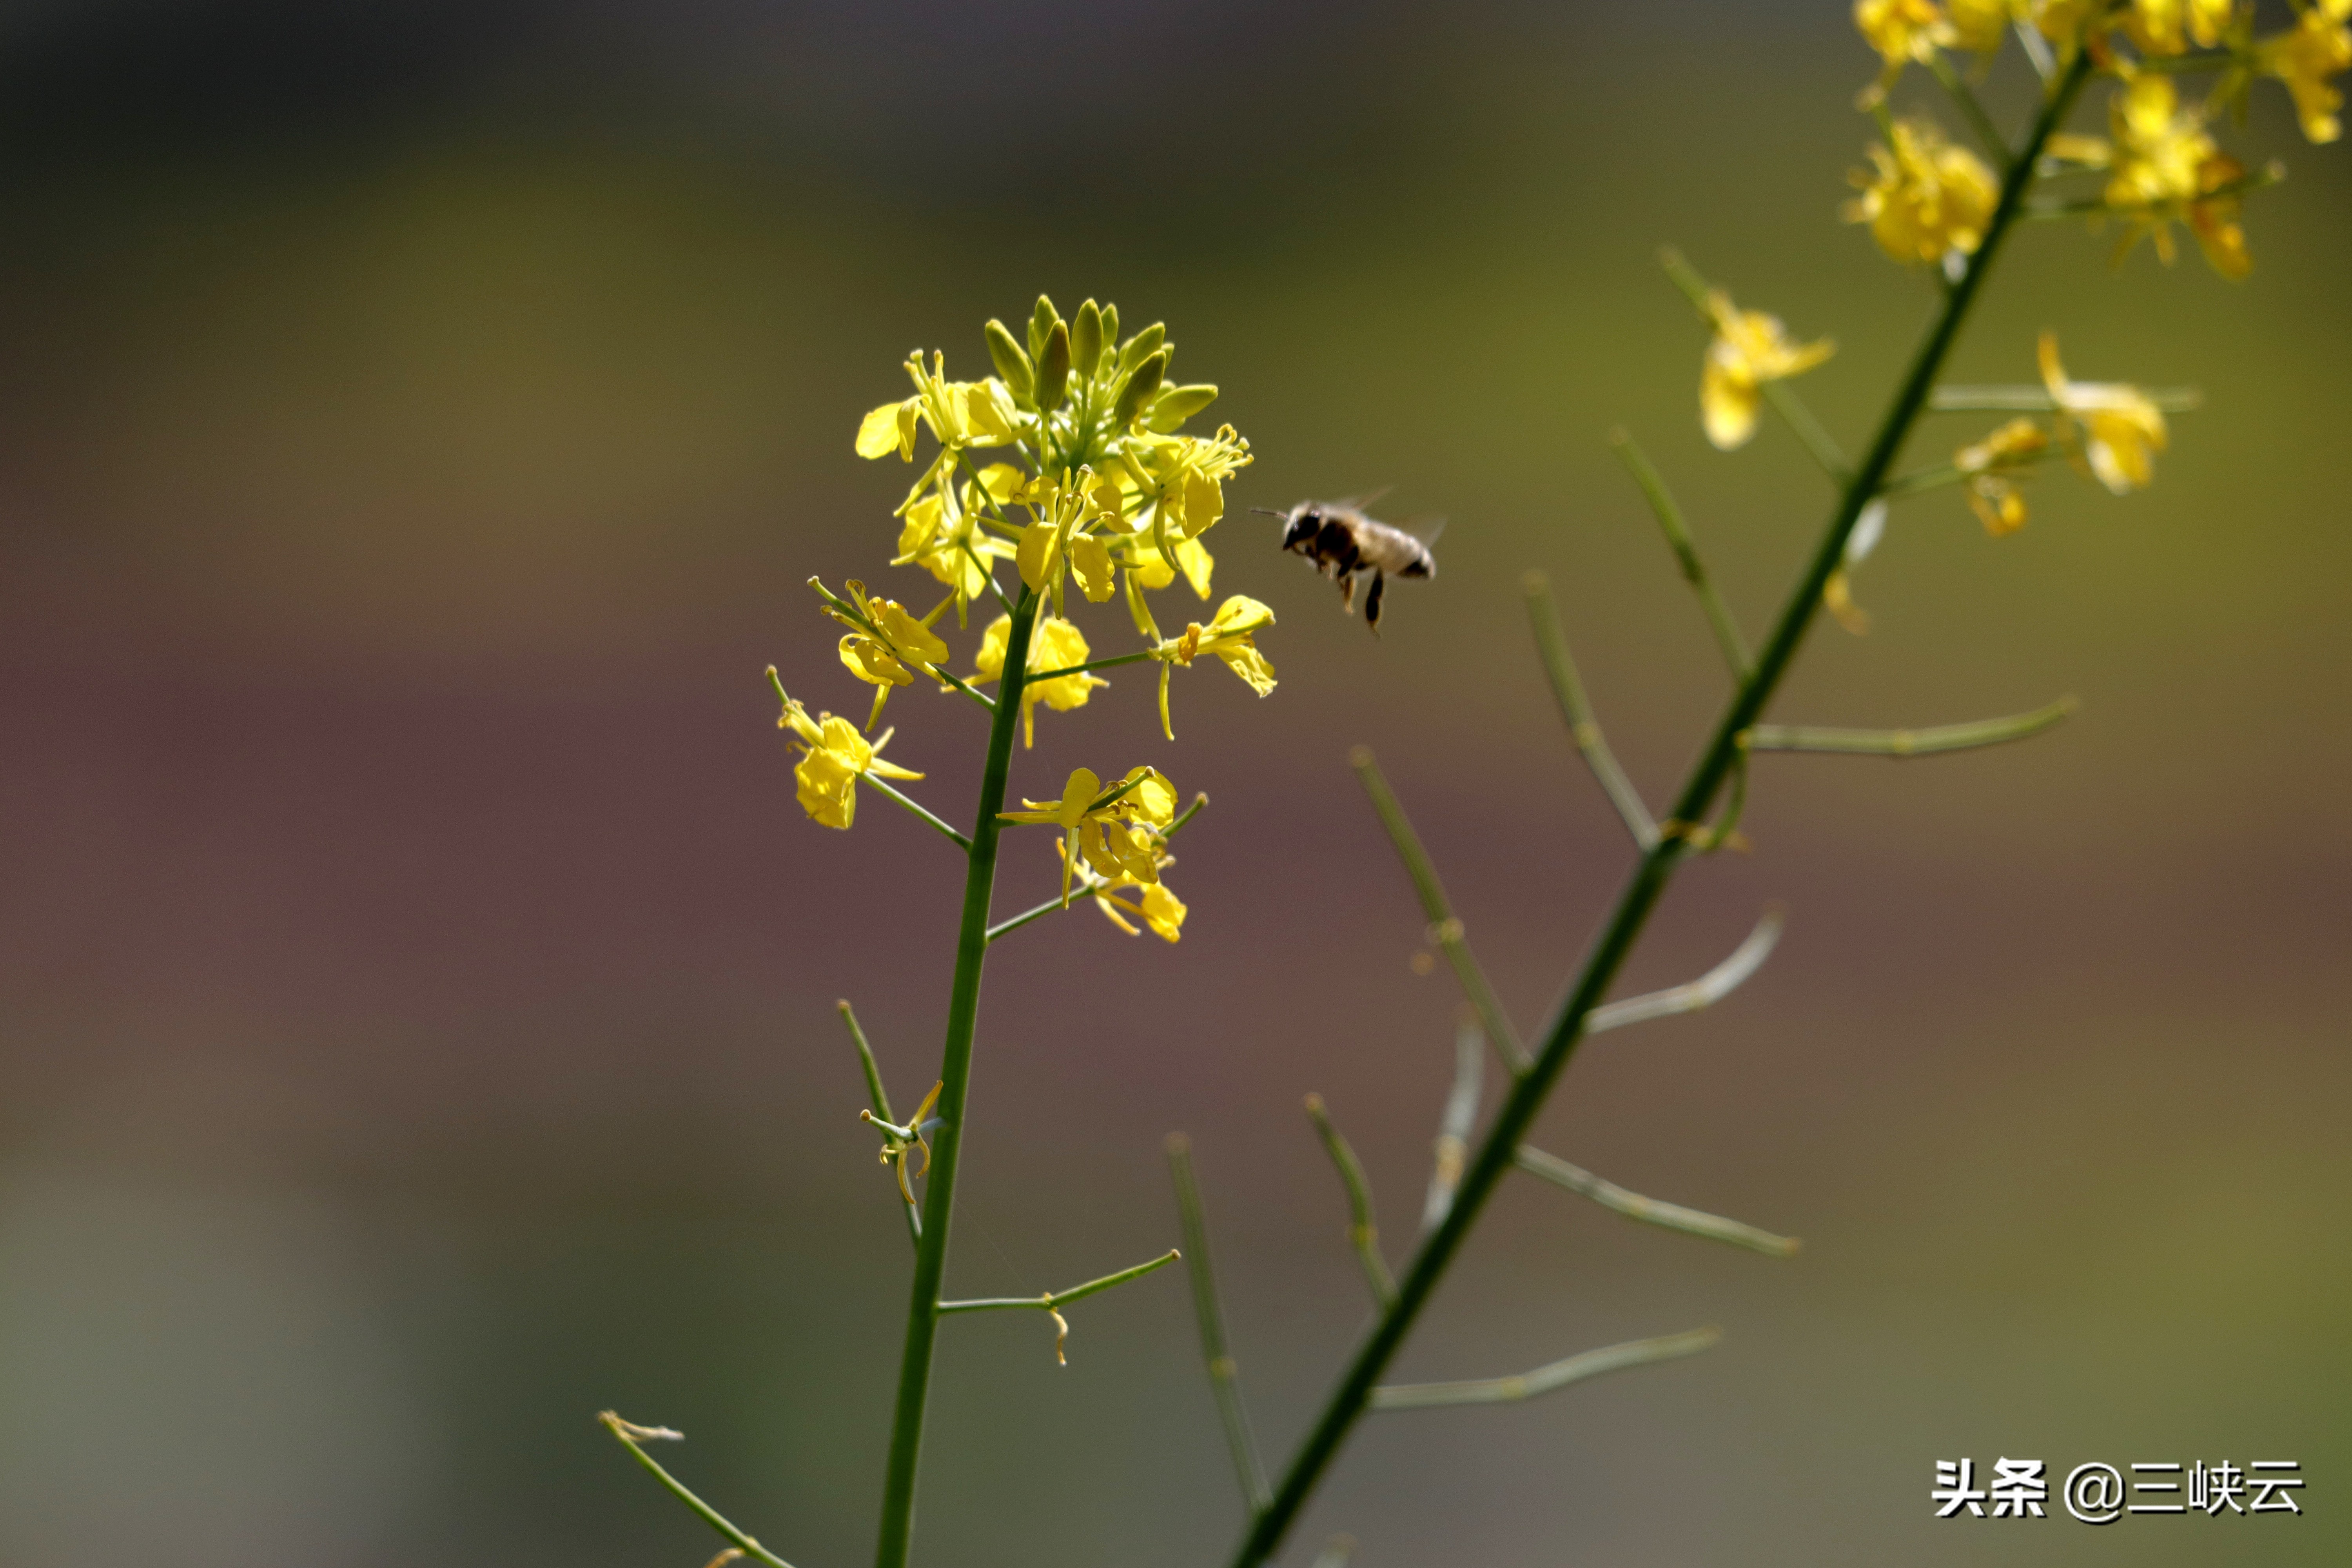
(1425, 529)
(1357, 503)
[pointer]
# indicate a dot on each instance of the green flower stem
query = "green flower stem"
(2186, 65)
(1816, 440)
(2037, 400)
(987, 570)
(1650, 1211)
(1965, 98)
(1132, 658)
(1187, 814)
(955, 1083)
(1460, 1116)
(1224, 1372)
(879, 1098)
(1690, 997)
(1051, 906)
(2099, 206)
(628, 1434)
(1091, 664)
(958, 681)
(1907, 742)
(878, 786)
(1544, 1379)
(1728, 636)
(1363, 1233)
(1498, 1152)
(1052, 1299)
(1444, 929)
(1568, 690)
(2037, 49)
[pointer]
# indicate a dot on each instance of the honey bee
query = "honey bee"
(1345, 545)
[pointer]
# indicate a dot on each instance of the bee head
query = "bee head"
(1300, 524)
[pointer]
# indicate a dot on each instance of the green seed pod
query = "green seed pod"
(1087, 341)
(1012, 366)
(1054, 367)
(1175, 404)
(1041, 322)
(1141, 388)
(1110, 323)
(1141, 346)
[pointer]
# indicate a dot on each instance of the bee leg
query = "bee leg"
(1347, 592)
(1372, 602)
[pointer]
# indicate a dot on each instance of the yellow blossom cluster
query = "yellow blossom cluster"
(1070, 466)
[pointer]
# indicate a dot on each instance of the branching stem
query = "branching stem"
(1224, 1372)
(1576, 712)
(1444, 929)
(1728, 636)
(1363, 1229)
(1498, 1152)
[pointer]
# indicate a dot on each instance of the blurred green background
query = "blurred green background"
(415, 979)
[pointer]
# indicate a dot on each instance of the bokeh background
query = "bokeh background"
(416, 422)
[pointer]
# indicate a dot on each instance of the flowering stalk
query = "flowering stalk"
(955, 1080)
(1498, 1153)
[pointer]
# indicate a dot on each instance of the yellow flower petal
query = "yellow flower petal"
(1036, 557)
(1091, 561)
(1199, 565)
(1726, 402)
(1163, 911)
(888, 429)
(1078, 794)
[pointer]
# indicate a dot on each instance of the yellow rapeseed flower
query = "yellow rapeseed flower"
(2122, 428)
(2307, 57)
(1096, 822)
(1901, 31)
(1230, 636)
(884, 640)
(1992, 494)
(1053, 644)
(1924, 197)
(960, 413)
(1750, 349)
(834, 756)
